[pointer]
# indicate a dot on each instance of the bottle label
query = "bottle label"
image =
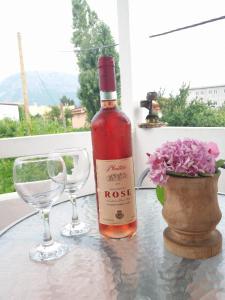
(116, 193)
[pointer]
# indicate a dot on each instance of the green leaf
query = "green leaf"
(160, 192)
(220, 163)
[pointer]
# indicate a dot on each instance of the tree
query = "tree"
(173, 107)
(66, 110)
(90, 36)
(54, 113)
(178, 111)
(66, 101)
(68, 115)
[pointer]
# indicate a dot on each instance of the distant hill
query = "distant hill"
(44, 88)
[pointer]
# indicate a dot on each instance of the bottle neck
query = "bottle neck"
(108, 99)
(108, 104)
(107, 82)
(108, 95)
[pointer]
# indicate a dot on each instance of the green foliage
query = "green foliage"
(68, 116)
(10, 128)
(160, 193)
(66, 106)
(220, 163)
(32, 172)
(54, 113)
(21, 113)
(89, 35)
(6, 181)
(177, 111)
(66, 101)
(69, 163)
(39, 125)
(38, 170)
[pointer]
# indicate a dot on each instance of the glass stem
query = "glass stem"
(47, 238)
(75, 219)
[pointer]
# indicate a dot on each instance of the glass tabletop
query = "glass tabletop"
(98, 268)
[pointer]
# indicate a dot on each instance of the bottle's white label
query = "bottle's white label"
(116, 193)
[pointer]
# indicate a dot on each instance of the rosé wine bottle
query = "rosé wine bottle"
(113, 163)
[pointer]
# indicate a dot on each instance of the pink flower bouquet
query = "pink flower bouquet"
(186, 158)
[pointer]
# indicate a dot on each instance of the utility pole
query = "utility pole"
(62, 115)
(23, 80)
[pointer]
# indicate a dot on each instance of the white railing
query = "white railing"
(144, 140)
(40, 144)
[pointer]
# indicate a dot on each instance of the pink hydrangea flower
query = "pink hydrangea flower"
(213, 149)
(188, 156)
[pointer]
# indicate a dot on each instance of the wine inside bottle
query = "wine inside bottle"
(112, 153)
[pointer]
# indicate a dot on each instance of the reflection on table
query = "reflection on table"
(96, 268)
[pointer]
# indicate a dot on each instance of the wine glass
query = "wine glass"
(77, 169)
(40, 180)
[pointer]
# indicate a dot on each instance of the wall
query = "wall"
(9, 111)
(79, 120)
(39, 109)
(216, 93)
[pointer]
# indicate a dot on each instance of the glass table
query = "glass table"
(103, 269)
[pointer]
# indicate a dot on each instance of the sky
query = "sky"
(194, 56)
(46, 30)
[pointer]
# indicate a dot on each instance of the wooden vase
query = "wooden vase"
(192, 212)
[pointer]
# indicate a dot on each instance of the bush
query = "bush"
(6, 180)
(37, 126)
(177, 111)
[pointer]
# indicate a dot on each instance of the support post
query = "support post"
(23, 80)
(123, 12)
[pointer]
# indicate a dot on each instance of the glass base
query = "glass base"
(46, 253)
(74, 230)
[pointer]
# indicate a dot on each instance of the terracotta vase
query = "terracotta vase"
(192, 212)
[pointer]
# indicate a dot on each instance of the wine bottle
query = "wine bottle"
(113, 163)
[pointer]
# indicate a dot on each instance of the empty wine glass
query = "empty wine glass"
(77, 169)
(40, 180)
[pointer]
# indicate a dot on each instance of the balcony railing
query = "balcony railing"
(144, 141)
(40, 144)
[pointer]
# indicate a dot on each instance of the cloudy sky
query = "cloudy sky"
(194, 56)
(46, 30)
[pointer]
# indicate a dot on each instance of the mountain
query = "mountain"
(44, 88)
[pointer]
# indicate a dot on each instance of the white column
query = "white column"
(123, 11)
(130, 47)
